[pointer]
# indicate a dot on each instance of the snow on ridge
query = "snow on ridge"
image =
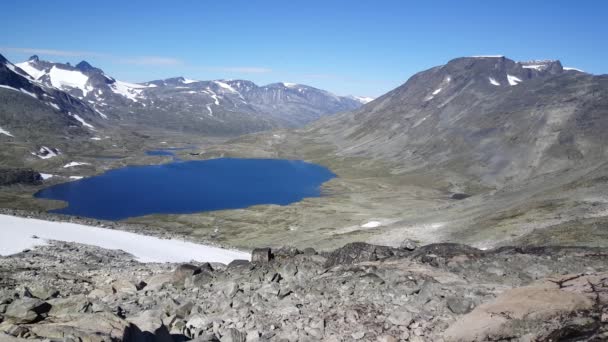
(31, 70)
(72, 164)
(290, 85)
(513, 80)
(18, 231)
(225, 86)
(437, 91)
(539, 67)
(5, 132)
(188, 81)
(363, 99)
(19, 90)
(62, 78)
(493, 81)
(128, 90)
(573, 69)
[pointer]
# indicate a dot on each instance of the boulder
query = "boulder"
(261, 255)
(41, 291)
(26, 310)
(70, 307)
(233, 335)
(530, 311)
(408, 244)
(123, 286)
(358, 252)
(149, 326)
(103, 326)
(459, 305)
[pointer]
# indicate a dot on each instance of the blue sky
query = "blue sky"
(348, 47)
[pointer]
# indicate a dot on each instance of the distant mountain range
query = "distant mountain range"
(88, 98)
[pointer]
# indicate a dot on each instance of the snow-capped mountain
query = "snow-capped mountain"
(218, 106)
(28, 106)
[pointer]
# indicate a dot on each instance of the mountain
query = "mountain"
(213, 107)
(29, 108)
(486, 118)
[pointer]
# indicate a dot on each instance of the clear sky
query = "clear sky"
(355, 47)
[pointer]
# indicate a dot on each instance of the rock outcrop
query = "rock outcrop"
(361, 292)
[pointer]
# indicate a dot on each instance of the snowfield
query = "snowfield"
(16, 235)
(62, 79)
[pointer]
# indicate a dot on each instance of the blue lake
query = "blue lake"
(189, 186)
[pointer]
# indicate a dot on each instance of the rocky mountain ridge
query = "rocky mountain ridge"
(230, 106)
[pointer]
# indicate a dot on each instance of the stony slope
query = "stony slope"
(360, 292)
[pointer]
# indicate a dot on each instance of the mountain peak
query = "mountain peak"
(34, 58)
(85, 66)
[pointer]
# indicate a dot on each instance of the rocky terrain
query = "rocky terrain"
(360, 292)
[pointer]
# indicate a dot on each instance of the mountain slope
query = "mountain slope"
(488, 118)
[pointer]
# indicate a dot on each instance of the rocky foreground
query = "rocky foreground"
(440, 292)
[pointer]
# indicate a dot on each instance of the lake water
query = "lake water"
(189, 186)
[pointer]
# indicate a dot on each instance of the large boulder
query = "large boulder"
(103, 326)
(26, 310)
(542, 311)
(358, 252)
(261, 255)
(150, 327)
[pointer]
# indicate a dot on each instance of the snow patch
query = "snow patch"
(363, 99)
(5, 132)
(95, 138)
(437, 91)
(371, 224)
(46, 176)
(61, 79)
(513, 80)
(17, 235)
(128, 90)
(31, 70)
(188, 81)
(19, 90)
(572, 69)
(76, 177)
(81, 120)
(28, 93)
(493, 81)
(53, 105)
(538, 67)
(225, 86)
(47, 153)
(72, 164)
